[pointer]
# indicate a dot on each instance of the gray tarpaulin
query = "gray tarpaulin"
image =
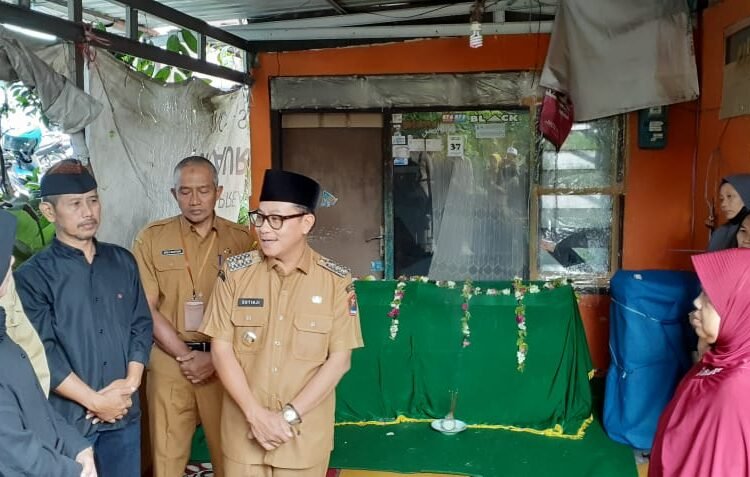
(144, 131)
(614, 56)
(64, 104)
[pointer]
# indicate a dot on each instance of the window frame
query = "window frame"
(615, 189)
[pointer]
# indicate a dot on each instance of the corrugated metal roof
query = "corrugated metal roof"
(282, 24)
(220, 10)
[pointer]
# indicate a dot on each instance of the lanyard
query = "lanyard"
(205, 258)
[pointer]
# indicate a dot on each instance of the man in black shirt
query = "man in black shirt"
(85, 300)
(34, 439)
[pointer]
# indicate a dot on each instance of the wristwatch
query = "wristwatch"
(290, 415)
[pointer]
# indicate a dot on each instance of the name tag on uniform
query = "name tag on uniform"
(250, 302)
(193, 314)
(173, 251)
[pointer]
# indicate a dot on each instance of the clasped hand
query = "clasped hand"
(112, 402)
(270, 429)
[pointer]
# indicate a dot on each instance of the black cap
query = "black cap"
(67, 177)
(283, 186)
(7, 239)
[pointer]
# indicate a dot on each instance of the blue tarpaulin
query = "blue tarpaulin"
(650, 345)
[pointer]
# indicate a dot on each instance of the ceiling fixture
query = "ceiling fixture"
(475, 36)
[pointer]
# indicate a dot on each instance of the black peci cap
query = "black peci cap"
(283, 186)
(66, 177)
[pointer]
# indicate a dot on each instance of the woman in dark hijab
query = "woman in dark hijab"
(34, 439)
(734, 199)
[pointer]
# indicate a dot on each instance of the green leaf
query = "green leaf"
(191, 41)
(174, 44)
(150, 69)
(163, 74)
(178, 76)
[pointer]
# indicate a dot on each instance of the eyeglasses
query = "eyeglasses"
(274, 220)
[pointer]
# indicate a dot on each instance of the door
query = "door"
(344, 153)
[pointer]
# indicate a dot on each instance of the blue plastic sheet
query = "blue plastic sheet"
(650, 344)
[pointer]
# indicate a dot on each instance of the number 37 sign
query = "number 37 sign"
(455, 146)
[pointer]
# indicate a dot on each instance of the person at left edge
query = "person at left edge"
(34, 439)
(85, 299)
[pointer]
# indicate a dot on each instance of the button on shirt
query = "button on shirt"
(283, 328)
(92, 318)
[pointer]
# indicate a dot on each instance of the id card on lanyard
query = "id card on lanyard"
(194, 307)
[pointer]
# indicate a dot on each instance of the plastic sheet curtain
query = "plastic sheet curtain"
(146, 129)
(612, 56)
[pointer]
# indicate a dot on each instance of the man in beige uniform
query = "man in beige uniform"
(283, 325)
(23, 333)
(179, 259)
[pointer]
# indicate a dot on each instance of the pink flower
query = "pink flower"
(466, 343)
(465, 306)
(393, 313)
(519, 319)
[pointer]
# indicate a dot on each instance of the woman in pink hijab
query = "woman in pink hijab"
(705, 429)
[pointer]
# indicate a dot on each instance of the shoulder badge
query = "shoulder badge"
(334, 267)
(161, 222)
(146, 233)
(243, 260)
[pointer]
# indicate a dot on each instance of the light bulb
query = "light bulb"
(475, 39)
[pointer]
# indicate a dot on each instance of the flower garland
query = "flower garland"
(522, 347)
(398, 296)
(467, 292)
(518, 289)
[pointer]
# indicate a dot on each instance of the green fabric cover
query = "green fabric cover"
(414, 374)
(481, 453)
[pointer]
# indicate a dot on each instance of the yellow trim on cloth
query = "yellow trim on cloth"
(556, 431)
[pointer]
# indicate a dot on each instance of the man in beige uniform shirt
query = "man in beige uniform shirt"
(179, 259)
(283, 324)
(23, 333)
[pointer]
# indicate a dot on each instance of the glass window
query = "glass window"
(578, 196)
(575, 234)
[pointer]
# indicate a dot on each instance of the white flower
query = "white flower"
(491, 292)
(451, 284)
(517, 278)
(519, 295)
(534, 289)
(400, 285)
(477, 291)
(521, 357)
(506, 291)
(522, 326)
(424, 279)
